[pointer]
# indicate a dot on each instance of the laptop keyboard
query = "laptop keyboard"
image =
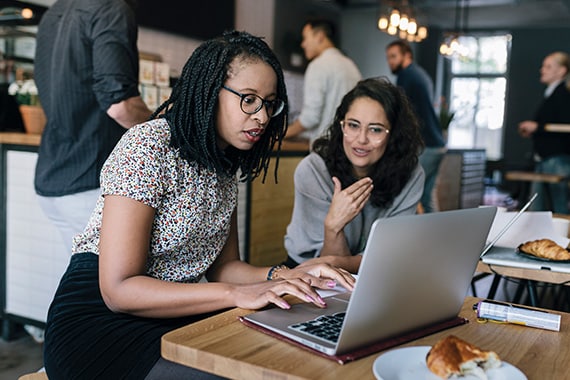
(326, 327)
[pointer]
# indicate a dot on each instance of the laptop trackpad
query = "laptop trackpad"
(342, 296)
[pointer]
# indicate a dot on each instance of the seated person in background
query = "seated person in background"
(166, 218)
(364, 168)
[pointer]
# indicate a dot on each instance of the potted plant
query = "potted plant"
(26, 94)
(445, 117)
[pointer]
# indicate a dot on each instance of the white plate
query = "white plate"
(409, 363)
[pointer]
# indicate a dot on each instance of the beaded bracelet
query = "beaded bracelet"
(274, 270)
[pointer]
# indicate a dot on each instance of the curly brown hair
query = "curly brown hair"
(391, 173)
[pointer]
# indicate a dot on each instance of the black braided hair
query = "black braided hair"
(191, 108)
(394, 169)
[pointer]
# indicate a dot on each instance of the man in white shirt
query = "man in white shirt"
(329, 76)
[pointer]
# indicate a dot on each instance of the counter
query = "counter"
(32, 254)
(15, 138)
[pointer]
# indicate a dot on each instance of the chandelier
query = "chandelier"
(399, 18)
(451, 47)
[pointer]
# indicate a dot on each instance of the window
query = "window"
(477, 91)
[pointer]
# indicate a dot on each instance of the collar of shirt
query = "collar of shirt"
(551, 87)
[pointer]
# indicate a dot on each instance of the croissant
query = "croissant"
(546, 249)
(452, 356)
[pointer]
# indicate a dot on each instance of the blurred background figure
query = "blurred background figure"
(418, 86)
(329, 76)
(87, 72)
(551, 149)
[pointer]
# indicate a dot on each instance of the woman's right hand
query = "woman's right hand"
(258, 295)
(347, 203)
(299, 282)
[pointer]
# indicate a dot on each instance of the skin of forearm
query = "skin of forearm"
(237, 272)
(129, 112)
(294, 129)
(149, 297)
(152, 298)
(335, 244)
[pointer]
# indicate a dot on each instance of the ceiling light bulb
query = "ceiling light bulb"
(403, 22)
(392, 30)
(422, 32)
(395, 18)
(412, 27)
(383, 23)
(454, 45)
(27, 13)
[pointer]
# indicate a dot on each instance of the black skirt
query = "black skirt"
(86, 340)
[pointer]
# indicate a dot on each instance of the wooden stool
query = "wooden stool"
(34, 376)
(524, 176)
(534, 177)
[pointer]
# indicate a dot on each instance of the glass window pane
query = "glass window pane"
(477, 94)
(463, 102)
(467, 64)
(493, 54)
(479, 106)
(490, 115)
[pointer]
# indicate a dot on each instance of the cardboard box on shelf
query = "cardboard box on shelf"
(149, 94)
(163, 94)
(162, 74)
(146, 71)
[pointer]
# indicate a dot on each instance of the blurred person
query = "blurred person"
(551, 149)
(86, 71)
(364, 168)
(418, 86)
(329, 76)
(167, 218)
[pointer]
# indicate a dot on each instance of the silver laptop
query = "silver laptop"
(415, 272)
(506, 256)
(509, 257)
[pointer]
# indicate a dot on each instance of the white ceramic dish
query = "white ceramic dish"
(409, 363)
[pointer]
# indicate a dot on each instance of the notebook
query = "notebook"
(415, 273)
(492, 243)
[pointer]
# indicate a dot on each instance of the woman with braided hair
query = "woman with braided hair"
(167, 218)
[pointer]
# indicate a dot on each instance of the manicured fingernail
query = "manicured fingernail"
(285, 305)
(331, 283)
(322, 301)
(309, 298)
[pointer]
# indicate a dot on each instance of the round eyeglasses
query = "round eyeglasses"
(251, 103)
(375, 133)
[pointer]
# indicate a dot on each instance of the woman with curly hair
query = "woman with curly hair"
(167, 218)
(364, 168)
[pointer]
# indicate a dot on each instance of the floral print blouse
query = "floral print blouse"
(193, 204)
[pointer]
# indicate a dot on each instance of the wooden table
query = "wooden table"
(563, 128)
(223, 345)
(528, 276)
(525, 273)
